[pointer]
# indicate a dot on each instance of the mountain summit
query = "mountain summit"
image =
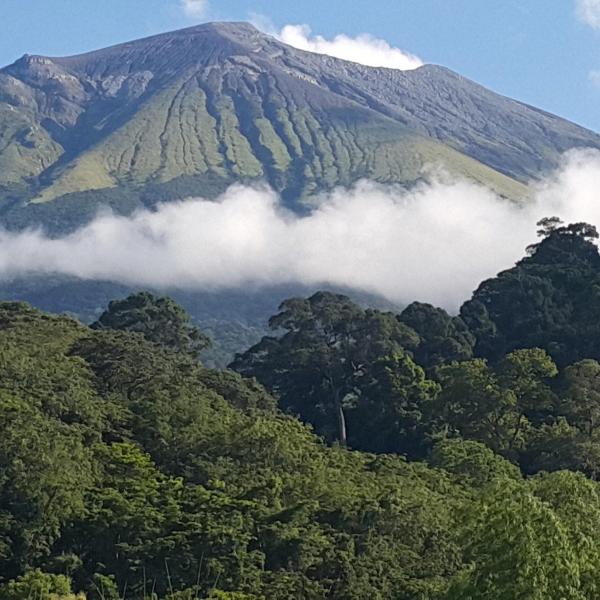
(202, 107)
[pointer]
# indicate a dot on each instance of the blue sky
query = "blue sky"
(542, 52)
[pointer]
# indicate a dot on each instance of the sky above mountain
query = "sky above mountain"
(543, 53)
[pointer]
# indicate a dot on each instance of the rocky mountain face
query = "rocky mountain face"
(190, 111)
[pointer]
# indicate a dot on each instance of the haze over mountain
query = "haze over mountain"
(188, 112)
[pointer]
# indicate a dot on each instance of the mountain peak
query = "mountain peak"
(206, 43)
(229, 27)
(238, 30)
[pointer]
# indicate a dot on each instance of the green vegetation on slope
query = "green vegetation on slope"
(297, 151)
(26, 148)
(144, 469)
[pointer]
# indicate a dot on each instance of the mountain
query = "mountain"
(191, 111)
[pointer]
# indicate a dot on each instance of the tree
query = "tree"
(245, 394)
(473, 405)
(562, 240)
(442, 338)
(159, 320)
(555, 446)
(500, 406)
(576, 501)
(527, 373)
(569, 437)
(548, 225)
(473, 464)
(317, 365)
(127, 511)
(580, 401)
(389, 415)
(548, 300)
(133, 470)
(38, 585)
(517, 547)
(45, 472)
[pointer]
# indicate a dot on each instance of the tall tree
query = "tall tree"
(159, 320)
(443, 338)
(318, 363)
(527, 373)
(391, 407)
(474, 406)
(549, 299)
(497, 406)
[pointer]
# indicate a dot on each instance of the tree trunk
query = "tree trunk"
(341, 418)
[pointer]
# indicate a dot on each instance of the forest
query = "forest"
(352, 453)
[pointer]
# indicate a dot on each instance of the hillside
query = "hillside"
(191, 111)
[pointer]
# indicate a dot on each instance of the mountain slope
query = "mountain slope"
(225, 102)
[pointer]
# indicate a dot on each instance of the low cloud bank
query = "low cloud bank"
(434, 243)
(194, 9)
(363, 49)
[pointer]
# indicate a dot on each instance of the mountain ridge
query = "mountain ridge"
(225, 102)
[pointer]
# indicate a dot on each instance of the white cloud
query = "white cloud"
(363, 49)
(434, 243)
(589, 12)
(194, 9)
(594, 77)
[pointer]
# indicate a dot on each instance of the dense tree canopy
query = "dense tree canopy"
(128, 467)
(159, 320)
(548, 300)
(517, 547)
(319, 364)
(443, 338)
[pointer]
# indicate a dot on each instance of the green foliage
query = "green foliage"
(220, 595)
(169, 479)
(473, 405)
(517, 547)
(245, 394)
(318, 365)
(35, 584)
(159, 320)
(548, 300)
(443, 338)
(500, 406)
(391, 408)
(581, 396)
(527, 374)
(576, 502)
(471, 463)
